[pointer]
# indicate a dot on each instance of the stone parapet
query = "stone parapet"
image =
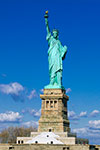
(54, 93)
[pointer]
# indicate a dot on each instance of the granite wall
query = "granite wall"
(45, 147)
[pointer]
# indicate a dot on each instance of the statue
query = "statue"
(56, 53)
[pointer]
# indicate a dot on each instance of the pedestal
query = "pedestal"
(54, 115)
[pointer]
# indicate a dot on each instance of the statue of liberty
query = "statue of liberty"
(56, 53)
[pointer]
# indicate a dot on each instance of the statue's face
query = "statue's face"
(55, 34)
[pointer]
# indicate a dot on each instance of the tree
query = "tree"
(10, 134)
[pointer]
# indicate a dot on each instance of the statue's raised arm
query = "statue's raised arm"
(46, 22)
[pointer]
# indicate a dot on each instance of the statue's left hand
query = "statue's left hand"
(64, 52)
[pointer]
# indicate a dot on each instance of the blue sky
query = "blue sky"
(24, 61)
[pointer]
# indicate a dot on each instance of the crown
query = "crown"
(55, 30)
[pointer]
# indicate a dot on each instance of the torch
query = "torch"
(46, 14)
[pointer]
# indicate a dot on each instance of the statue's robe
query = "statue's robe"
(56, 53)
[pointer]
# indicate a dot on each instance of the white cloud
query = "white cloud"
(94, 124)
(68, 90)
(88, 133)
(72, 115)
(32, 94)
(33, 112)
(12, 88)
(80, 130)
(30, 123)
(15, 90)
(37, 113)
(83, 114)
(94, 113)
(10, 116)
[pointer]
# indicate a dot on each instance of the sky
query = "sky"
(24, 61)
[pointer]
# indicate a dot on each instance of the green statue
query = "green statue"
(56, 53)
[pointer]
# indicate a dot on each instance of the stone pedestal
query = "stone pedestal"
(54, 116)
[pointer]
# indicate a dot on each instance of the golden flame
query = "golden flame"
(46, 12)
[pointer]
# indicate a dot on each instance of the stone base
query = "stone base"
(54, 115)
(48, 147)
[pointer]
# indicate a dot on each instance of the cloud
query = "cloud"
(72, 115)
(68, 90)
(80, 130)
(90, 131)
(94, 113)
(10, 116)
(30, 124)
(15, 90)
(33, 112)
(83, 114)
(38, 113)
(42, 90)
(92, 135)
(12, 88)
(95, 124)
(32, 94)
